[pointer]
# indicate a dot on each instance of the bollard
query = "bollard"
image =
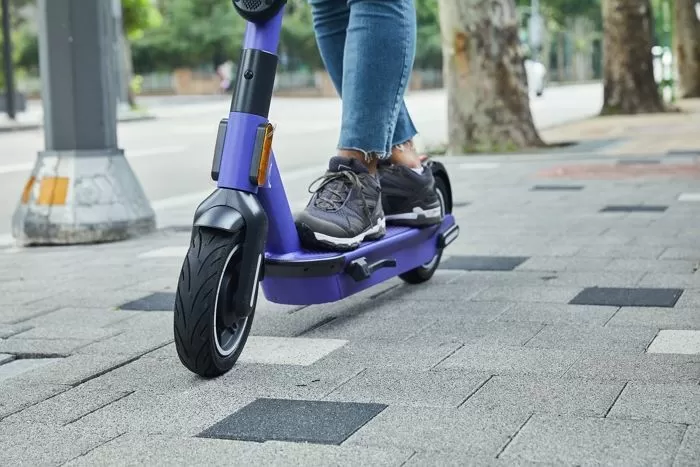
(82, 188)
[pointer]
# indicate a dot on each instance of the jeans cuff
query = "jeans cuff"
(368, 155)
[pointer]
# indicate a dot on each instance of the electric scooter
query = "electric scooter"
(244, 235)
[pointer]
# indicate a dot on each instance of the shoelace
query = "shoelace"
(337, 185)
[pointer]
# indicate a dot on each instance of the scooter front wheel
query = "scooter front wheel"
(205, 290)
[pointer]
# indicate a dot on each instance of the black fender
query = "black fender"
(440, 171)
(238, 213)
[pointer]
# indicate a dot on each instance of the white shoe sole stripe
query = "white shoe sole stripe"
(416, 214)
(381, 224)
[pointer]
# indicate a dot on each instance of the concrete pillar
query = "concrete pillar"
(82, 189)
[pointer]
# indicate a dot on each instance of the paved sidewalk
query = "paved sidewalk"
(563, 328)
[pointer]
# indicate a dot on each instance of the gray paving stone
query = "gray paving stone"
(658, 266)
(131, 343)
(656, 368)
(319, 422)
(184, 413)
(423, 428)
(441, 388)
(594, 279)
(545, 395)
(554, 313)
(482, 263)
(23, 365)
(681, 253)
(31, 347)
(589, 441)
(9, 330)
(663, 318)
(162, 450)
(503, 360)
(156, 301)
(4, 358)
(467, 331)
(689, 299)
(38, 444)
(629, 339)
(15, 396)
(528, 294)
(621, 251)
(159, 450)
(67, 406)
(466, 458)
(673, 403)
(575, 264)
(413, 354)
(59, 332)
(652, 279)
(689, 453)
(72, 370)
(84, 317)
(275, 453)
(14, 314)
(90, 299)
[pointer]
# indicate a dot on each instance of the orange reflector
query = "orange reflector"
(53, 191)
(26, 193)
(265, 155)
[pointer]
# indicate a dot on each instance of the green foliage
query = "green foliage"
(138, 16)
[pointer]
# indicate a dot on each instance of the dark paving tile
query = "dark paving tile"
(633, 208)
(483, 263)
(320, 422)
(158, 301)
(640, 297)
(557, 188)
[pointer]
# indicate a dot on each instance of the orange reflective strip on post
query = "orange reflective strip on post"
(265, 155)
(53, 191)
(26, 193)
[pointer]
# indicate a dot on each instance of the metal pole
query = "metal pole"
(82, 188)
(7, 60)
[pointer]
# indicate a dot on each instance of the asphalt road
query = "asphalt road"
(172, 154)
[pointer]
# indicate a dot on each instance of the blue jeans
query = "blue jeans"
(368, 48)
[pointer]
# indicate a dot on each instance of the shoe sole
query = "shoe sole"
(311, 239)
(418, 217)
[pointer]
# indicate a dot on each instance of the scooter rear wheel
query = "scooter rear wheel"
(425, 272)
(208, 281)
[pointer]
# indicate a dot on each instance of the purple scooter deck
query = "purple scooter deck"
(409, 247)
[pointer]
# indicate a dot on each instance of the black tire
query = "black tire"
(210, 270)
(425, 272)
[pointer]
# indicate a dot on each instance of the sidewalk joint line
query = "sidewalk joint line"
(413, 454)
(512, 438)
(315, 326)
(475, 391)
(535, 335)
(447, 356)
(127, 394)
(624, 386)
(94, 447)
(605, 324)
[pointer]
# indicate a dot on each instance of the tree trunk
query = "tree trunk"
(129, 73)
(488, 103)
(630, 87)
(687, 48)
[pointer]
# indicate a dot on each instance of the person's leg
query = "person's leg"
(330, 19)
(377, 57)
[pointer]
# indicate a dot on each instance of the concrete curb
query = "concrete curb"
(16, 127)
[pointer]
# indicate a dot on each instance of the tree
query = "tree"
(687, 48)
(629, 85)
(137, 17)
(488, 103)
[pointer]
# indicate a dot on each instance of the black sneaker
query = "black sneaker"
(345, 209)
(409, 198)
